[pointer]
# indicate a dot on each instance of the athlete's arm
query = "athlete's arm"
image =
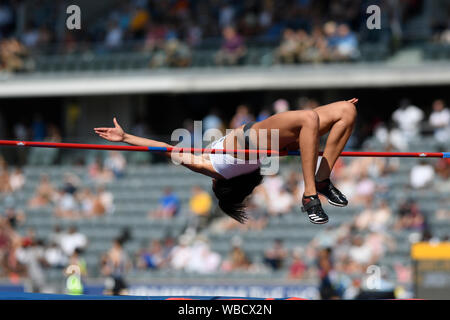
(196, 163)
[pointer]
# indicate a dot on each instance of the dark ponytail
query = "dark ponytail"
(232, 193)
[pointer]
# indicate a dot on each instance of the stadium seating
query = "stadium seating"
(139, 192)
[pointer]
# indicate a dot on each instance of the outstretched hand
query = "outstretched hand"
(115, 134)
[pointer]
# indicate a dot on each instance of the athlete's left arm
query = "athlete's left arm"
(196, 163)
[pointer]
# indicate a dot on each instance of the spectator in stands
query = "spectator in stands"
(237, 260)
(242, 116)
(94, 204)
(56, 235)
(374, 217)
(114, 35)
(202, 259)
(346, 44)
(6, 238)
(139, 20)
(13, 56)
(32, 256)
(53, 133)
(273, 185)
(86, 201)
(360, 253)
(408, 118)
(263, 114)
(71, 183)
(295, 185)
(275, 256)
(396, 139)
(29, 237)
(403, 273)
(442, 214)
(280, 105)
(317, 51)
(21, 132)
(115, 265)
(38, 128)
(116, 162)
(422, 175)
(283, 204)
(151, 257)
(326, 238)
(213, 121)
(181, 253)
(14, 217)
(76, 272)
(380, 243)
(36, 37)
(444, 37)
(66, 205)
(289, 49)
(30, 36)
(169, 205)
(257, 211)
(73, 240)
(365, 188)
(298, 267)
(233, 48)
(45, 193)
(5, 185)
(54, 256)
(6, 233)
(17, 179)
(410, 217)
(105, 200)
(330, 32)
(99, 173)
(325, 269)
(200, 206)
(172, 53)
(440, 121)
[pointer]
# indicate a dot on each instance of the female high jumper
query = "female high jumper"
(233, 182)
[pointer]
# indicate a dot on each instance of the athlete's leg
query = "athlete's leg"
(337, 118)
(300, 129)
(301, 126)
(309, 144)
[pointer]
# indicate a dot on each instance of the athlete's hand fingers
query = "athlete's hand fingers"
(101, 129)
(116, 123)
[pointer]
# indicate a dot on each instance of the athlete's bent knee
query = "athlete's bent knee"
(348, 112)
(310, 118)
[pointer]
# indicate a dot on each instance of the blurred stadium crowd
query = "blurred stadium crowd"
(86, 195)
(332, 254)
(170, 31)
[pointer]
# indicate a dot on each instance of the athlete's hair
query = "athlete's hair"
(232, 193)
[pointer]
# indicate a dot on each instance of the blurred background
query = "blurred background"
(95, 222)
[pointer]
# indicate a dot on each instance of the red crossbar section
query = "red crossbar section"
(70, 145)
(203, 150)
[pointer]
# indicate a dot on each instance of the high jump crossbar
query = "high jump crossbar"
(60, 145)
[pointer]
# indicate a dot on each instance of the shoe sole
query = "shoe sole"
(318, 222)
(336, 204)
